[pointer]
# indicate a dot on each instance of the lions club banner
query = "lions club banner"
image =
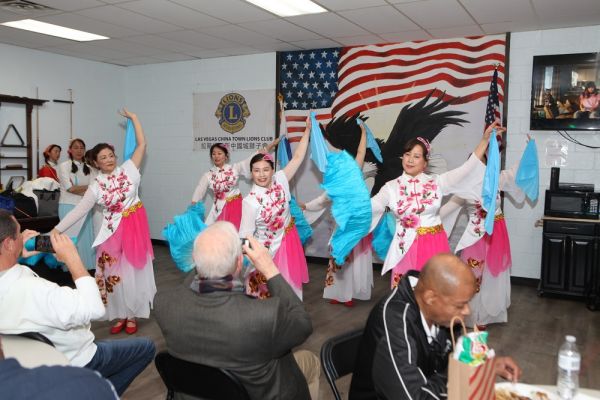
(244, 120)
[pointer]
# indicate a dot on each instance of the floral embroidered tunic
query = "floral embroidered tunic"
(475, 229)
(415, 202)
(116, 192)
(266, 212)
(224, 184)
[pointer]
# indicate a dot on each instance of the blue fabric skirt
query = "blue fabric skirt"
(85, 239)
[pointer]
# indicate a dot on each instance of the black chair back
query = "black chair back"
(338, 356)
(36, 336)
(198, 380)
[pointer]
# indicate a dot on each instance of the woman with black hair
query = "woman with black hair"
(74, 177)
(266, 216)
(222, 179)
(51, 156)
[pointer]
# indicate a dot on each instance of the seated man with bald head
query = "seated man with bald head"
(404, 350)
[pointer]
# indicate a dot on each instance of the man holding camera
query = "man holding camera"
(29, 303)
(209, 320)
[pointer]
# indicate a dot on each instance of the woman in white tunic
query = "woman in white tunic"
(266, 216)
(74, 177)
(124, 270)
(415, 198)
(222, 178)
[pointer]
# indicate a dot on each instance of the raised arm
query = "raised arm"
(80, 211)
(271, 146)
(299, 153)
(362, 146)
(138, 154)
(485, 139)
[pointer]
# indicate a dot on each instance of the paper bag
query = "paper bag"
(466, 382)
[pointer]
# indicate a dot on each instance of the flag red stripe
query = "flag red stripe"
(365, 94)
(411, 51)
(418, 95)
(302, 118)
(404, 75)
(408, 63)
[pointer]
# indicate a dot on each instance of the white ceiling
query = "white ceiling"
(157, 31)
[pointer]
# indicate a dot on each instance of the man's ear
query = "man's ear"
(429, 297)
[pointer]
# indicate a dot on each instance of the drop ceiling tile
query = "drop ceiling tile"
(207, 53)
(240, 51)
(128, 19)
(380, 19)
(436, 14)
(406, 36)
(162, 43)
(280, 29)
(131, 47)
(174, 57)
(502, 27)
(200, 40)
(271, 47)
(137, 61)
(233, 11)
(338, 5)
(78, 54)
(70, 5)
(83, 23)
(238, 34)
(488, 12)
(90, 49)
(317, 44)
(172, 13)
(459, 31)
(328, 24)
(359, 40)
(555, 9)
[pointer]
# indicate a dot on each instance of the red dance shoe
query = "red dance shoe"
(334, 301)
(118, 327)
(349, 303)
(131, 327)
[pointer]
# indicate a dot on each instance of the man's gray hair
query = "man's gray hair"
(216, 250)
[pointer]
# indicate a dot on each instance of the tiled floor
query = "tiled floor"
(535, 331)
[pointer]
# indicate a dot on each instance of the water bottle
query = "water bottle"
(569, 360)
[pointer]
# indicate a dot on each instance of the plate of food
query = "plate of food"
(521, 391)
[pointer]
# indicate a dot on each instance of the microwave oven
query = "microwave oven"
(571, 204)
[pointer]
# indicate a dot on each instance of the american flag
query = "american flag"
(492, 111)
(339, 81)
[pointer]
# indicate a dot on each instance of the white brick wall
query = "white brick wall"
(582, 164)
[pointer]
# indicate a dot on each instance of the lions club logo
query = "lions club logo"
(232, 112)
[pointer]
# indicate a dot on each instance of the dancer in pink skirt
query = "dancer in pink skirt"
(266, 216)
(124, 254)
(415, 198)
(222, 179)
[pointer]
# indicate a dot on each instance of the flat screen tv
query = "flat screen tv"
(565, 92)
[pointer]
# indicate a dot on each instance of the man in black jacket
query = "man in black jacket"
(404, 350)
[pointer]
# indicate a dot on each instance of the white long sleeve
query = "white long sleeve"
(248, 222)
(201, 188)
(464, 181)
(379, 204)
(64, 176)
(318, 203)
(80, 211)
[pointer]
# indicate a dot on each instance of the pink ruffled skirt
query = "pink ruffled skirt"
(290, 261)
(232, 211)
(491, 251)
(422, 249)
(124, 270)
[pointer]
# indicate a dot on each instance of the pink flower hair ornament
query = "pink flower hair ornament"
(425, 143)
(268, 157)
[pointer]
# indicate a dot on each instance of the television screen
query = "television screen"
(565, 93)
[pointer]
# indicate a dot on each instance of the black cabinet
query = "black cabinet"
(570, 257)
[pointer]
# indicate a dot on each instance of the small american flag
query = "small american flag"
(343, 81)
(492, 111)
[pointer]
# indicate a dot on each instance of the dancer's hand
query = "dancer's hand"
(124, 112)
